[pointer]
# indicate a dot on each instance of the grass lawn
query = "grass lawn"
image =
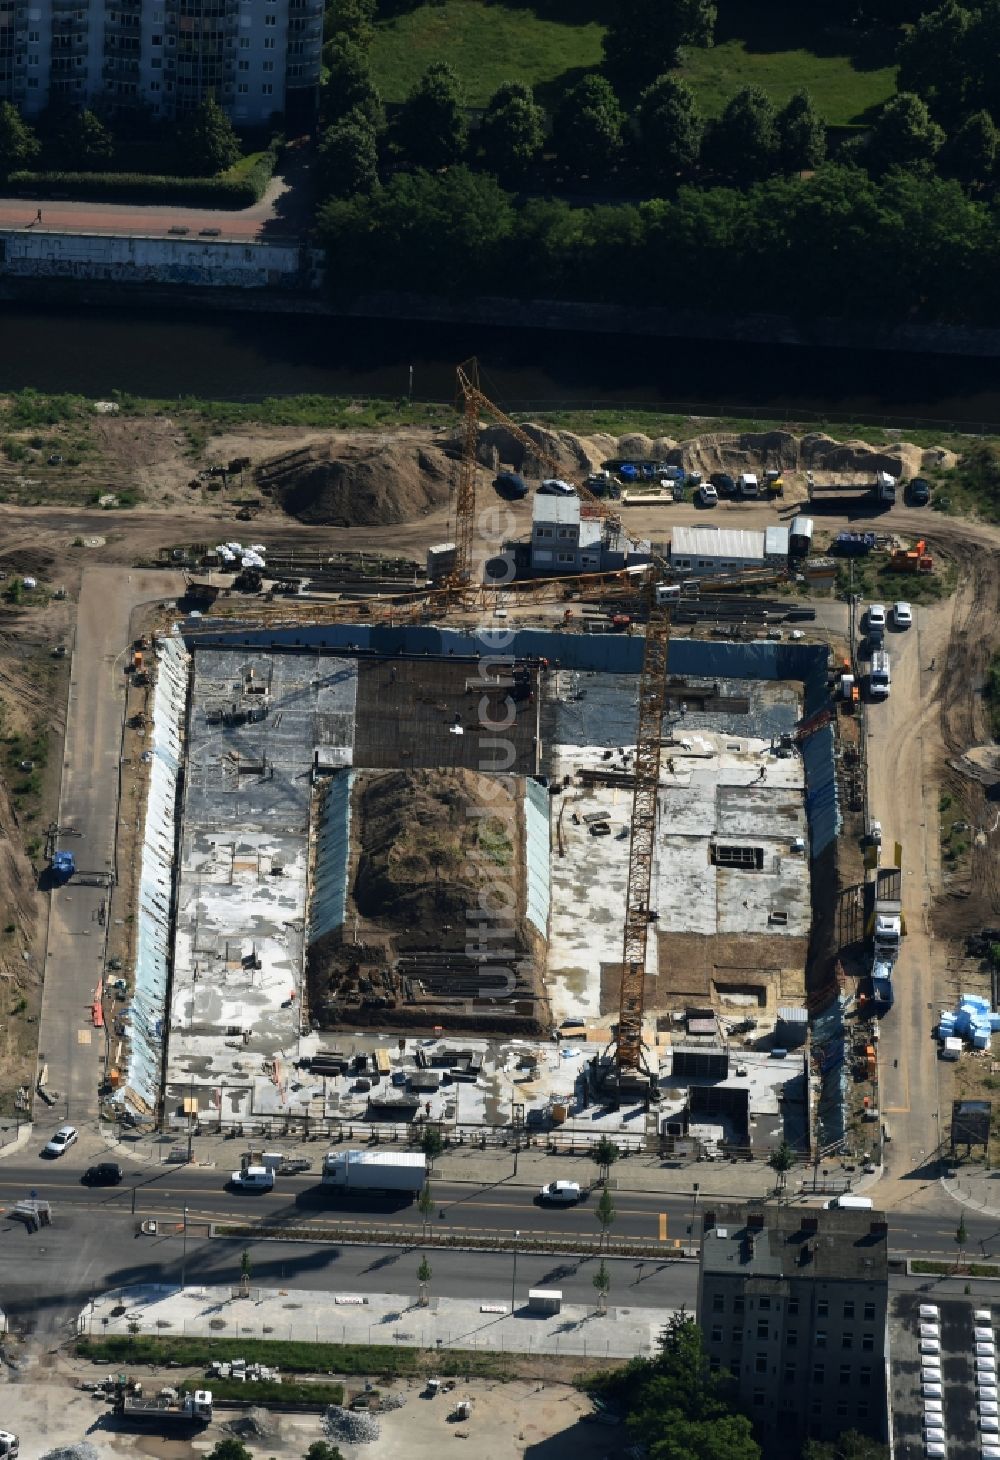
(550, 43)
(486, 44)
(783, 47)
(841, 92)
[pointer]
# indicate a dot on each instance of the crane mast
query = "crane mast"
(628, 1049)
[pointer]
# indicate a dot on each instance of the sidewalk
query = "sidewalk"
(484, 1322)
(975, 1188)
(737, 1180)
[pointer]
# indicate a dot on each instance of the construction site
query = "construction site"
(430, 866)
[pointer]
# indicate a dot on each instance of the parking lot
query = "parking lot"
(942, 1384)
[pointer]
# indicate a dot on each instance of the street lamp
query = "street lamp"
(184, 1252)
(513, 1279)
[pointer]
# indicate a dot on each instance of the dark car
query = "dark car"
(723, 483)
(509, 484)
(919, 492)
(104, 1174)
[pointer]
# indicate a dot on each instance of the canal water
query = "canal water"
(239, 356)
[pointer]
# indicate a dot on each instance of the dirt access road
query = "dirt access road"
(934, 713)
(69, 1043)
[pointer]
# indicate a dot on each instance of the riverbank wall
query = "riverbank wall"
(289, 281)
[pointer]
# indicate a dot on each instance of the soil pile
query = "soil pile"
(560, 452)
(366, 484)
(736, 452)
(426, 850)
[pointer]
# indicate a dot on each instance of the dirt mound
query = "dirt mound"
(938, 458)
(568, 455)
(425, 852)
(735, 452)
(256, 1424)
(370, 484)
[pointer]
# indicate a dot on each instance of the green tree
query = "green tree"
(605, 1154)
(425, 1204)
(230, 1449)
(904, 135)
(602, 1282)
(644, 37)
(447, 234)
(970, 154)
(323, 1450)
(606, 1212)
(206, 141)
(77, 140)
(18, 144)
(678, 1408)
(801, 134)
(424, 1274)
(961, 1241)
(744, 141)
(937, 61)
(850, 1445)
(670, 129)
(432, 1144)
(347, 159)
(355, 18)
(781, 1161)
(588, 127)
(432, 130)
(349, 87)
(513, 131)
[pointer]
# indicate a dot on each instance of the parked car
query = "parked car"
(253, 1178)
(64, 1137)
(876, 616)
(902, 615)
(708, 495)
(510, 484)
(723, 483)
(105, 1173)
(919, 492)
(553, 487)
(563, 1193)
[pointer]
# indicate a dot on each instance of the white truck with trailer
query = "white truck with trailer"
(167, 1410)
(375, 1171)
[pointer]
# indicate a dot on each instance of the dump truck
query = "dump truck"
(166, 1410)
(375, 1171)
(886, 925)
(836, 495)
(882, 990)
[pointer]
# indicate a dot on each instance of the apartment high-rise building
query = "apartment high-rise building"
(793, 1302)
(258, 58)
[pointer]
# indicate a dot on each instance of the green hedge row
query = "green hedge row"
(137, 187)
(267, 1391)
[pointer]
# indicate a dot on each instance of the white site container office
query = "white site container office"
(930, 1310)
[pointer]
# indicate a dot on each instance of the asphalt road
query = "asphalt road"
(661, 1218)
(48, 1277)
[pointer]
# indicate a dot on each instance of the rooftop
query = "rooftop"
(795, 1242)
(235, 1003)
(716, 542)
(563, 511)
(730, 893)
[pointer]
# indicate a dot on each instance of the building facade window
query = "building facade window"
(869, 1312)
